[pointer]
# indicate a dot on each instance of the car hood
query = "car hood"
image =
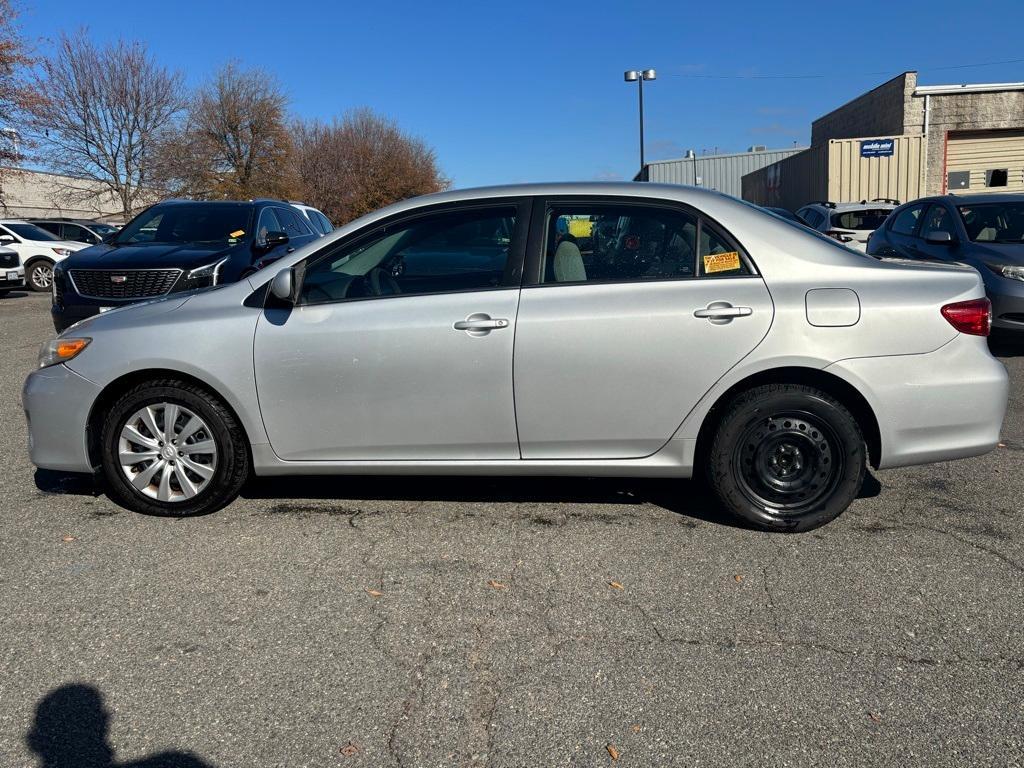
(70, 245)
(147, 256)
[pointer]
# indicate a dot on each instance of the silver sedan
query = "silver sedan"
(569, 329)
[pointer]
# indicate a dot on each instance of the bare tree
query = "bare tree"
(234, 142)
(17, 96)
(102, 112)
(355, 165)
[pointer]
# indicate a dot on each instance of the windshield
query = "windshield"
(866, 219)
(102, 229)
(994, 222)
(207, 223)
(30, 232)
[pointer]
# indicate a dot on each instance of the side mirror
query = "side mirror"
(940, 238)
(274, 239)
(5, 239)
(283, 286)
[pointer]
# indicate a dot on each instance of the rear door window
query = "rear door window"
(905, 222)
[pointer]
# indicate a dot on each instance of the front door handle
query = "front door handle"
(722, 312)
(480, 324)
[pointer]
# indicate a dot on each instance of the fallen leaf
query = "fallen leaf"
(495, 584)
(374, 593)
(874, 718)
(615, 585)
(1001, 445)
(737, 578)
(69, 538)
(613, 751)
(636, 728)
(349, 749)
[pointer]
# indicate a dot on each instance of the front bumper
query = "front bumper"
(57, 403)
(17, 282)
(947, 404)
(1007, 297)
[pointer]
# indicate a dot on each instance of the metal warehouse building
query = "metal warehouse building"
(723, 173)
(901, 140)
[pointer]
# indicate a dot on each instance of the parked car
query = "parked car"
(76, 230)
(849, 223)
(320, 223)
(985, 231)
(12, 274)
(177, 245)
(37, 249)
(471, 332)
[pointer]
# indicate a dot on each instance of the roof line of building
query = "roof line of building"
(934, 90)
(724, 154)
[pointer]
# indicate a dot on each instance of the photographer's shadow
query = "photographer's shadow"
(70, 730)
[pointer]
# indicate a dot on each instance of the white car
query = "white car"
(37, 249)
(849, 223)
(320, 223)
(12, 274)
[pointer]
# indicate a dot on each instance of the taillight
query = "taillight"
(973, 317)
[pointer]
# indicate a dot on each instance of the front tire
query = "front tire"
(787, 457)
(171, 448)
(39, 275)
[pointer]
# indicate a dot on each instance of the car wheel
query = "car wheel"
(787, 457)
(172, 448)
(39, 275)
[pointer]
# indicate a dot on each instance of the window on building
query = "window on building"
(996, 177)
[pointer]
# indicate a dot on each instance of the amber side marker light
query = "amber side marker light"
(60, 351)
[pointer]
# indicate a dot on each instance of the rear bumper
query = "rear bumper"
(947, 404)
(57, 403)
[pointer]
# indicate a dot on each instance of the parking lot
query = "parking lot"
(508, 622)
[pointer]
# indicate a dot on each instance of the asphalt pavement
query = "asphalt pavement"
(507, 622)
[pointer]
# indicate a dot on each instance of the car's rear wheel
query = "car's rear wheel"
(39, 275)
(787, 457)
(172, 448)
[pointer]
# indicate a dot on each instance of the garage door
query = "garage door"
(985, 161)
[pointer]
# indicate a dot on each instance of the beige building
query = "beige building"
(37, 194)
(902, 141)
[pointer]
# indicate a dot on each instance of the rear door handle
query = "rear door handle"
(722, 311)
(480, 324)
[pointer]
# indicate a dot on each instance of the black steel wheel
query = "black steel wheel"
(787, 457)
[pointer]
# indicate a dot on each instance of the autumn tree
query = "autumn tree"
(234, 142)
(364, 161)
(102, 113)
(17, 96)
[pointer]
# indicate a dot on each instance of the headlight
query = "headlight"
(62, 251)
(61, 350)
(210, 272)
(1012, 272)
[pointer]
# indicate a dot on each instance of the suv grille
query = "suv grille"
(123, 284)
(9, 259)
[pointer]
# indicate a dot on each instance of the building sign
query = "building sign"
(877, 147)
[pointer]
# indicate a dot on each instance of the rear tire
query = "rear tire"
(787, 457)
(193, 465)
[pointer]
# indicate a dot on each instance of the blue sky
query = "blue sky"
(533, 91)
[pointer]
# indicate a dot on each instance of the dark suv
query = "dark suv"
(985, 231)
(177, 245)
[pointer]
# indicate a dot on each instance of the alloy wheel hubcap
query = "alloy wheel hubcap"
(42, 276)
(788, 462)
(167, 452)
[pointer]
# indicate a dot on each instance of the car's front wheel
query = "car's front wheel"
(171, 448)
(39, 275)
(787, 457)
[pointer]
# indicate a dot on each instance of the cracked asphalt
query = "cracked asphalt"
(458, 622)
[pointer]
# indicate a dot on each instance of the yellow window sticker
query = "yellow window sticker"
(237, 233)
(721, 262)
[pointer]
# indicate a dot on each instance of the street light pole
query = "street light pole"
(639, 76)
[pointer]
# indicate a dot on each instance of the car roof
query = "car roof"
(987, 197)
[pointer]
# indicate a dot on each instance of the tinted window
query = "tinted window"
(325, 225)
(437, 253)
(905, 221)
(938, 219)
(994, 222)
(595, 243)
(188, 223)
(293, 222)
(868, 219)
(268, 223)
(50, 226)
(30, 231)
(811, 216)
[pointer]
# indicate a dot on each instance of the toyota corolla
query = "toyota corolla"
(569, 329)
